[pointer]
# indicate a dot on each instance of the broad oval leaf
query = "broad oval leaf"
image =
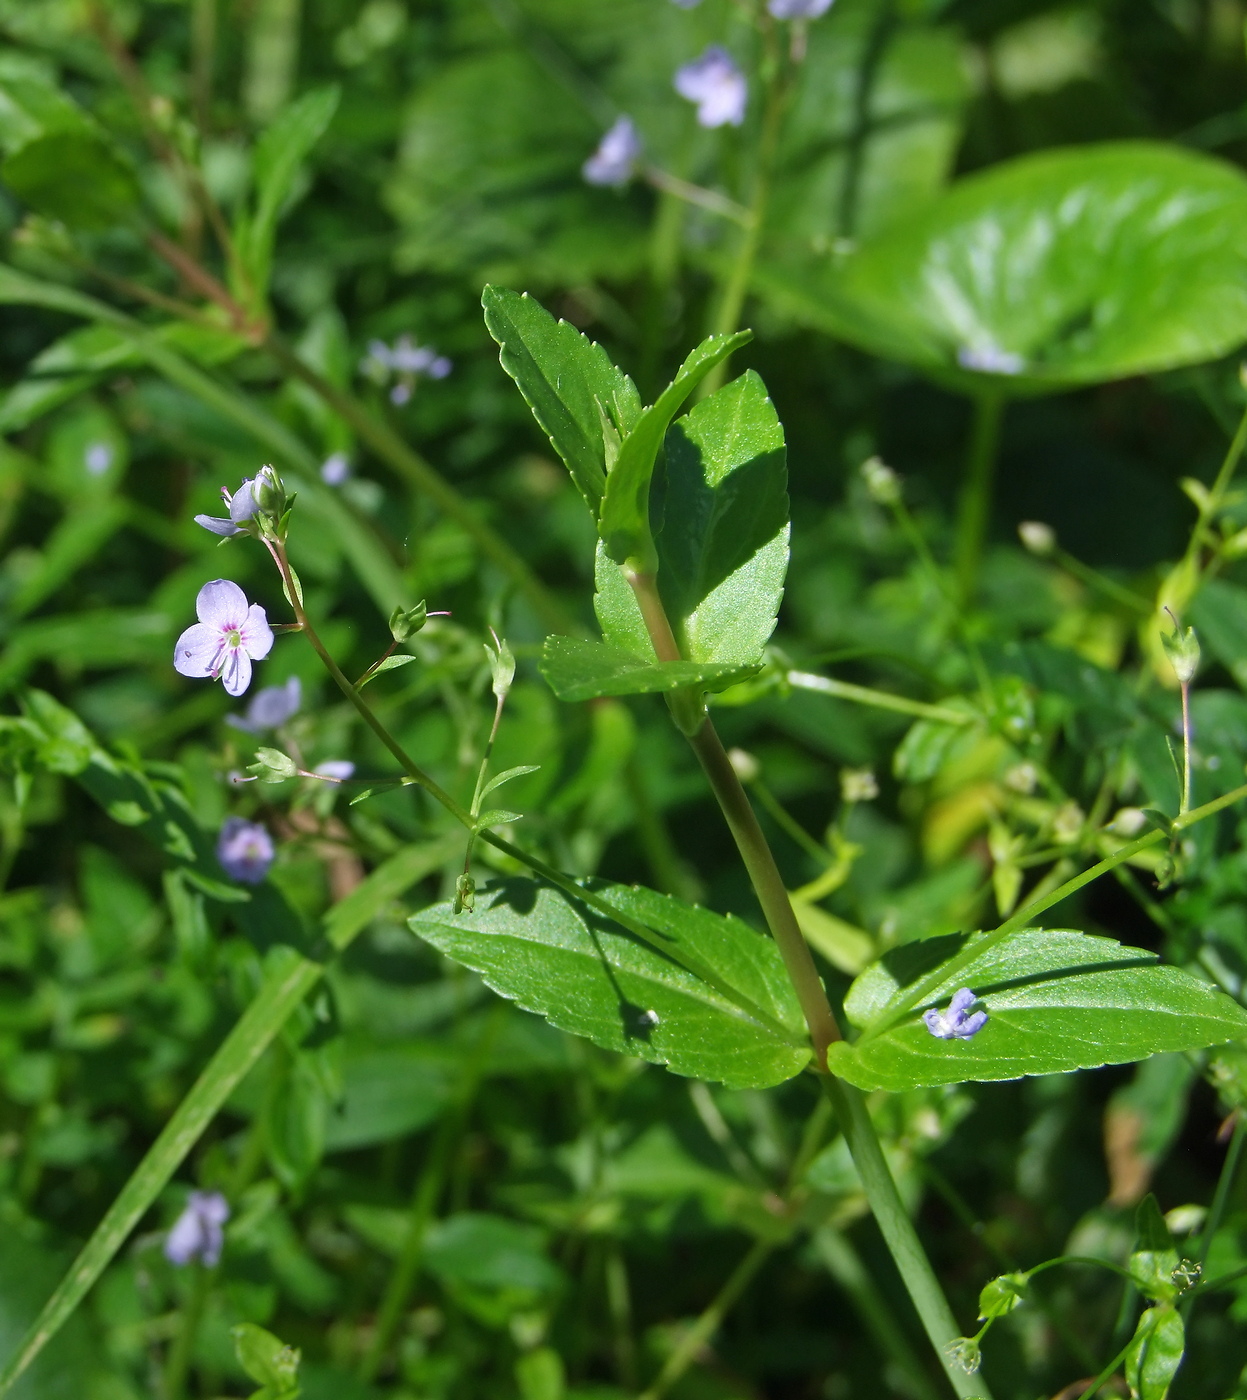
(1056, 1000)
(536, 946)
(1062, 268)
(582, 670)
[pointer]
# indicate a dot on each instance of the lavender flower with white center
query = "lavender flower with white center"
(270, 708)
(716, 85)
(229, 635)
(199, 1232)
(990, 359)
(337, 770)
(955, 1024)
(799, 9)
(614, 161)
(245, 850)
(335, 469)
(98, 458)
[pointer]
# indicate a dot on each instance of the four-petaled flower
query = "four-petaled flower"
(798, 9)
(245, 850)
(199, 1232)
(270, 708)
(242, 506)
(614, 161)
(955, 1024)
(716, 85)
(228, 636)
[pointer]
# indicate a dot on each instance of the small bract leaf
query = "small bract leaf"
(1001, 1295)
(1155, 1353)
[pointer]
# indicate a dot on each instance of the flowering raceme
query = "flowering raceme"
(229, 635)
(245, 850)
(716, 85)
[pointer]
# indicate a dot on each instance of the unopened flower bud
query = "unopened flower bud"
(1067, 823)
(1128, 821)
(744, 765)
(1022, 777)
(883, 486)
(1037, 537)
(1182, 649)
(406, 622)
(268, 492)
(501, 663)
(858, 785)
(465, 894)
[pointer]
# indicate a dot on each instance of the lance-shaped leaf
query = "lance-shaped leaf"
(540, 947)
(583, 403)
(624, 524)
(1155, 1353)
(1055, 999)
(584, 670)
(279, 155)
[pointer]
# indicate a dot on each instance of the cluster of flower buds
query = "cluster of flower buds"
(259, 508)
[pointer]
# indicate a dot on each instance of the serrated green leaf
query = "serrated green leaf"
(623, 523)
(1066, 267)
(537, 946)
(505, 777)
(1056, 1000)
(1155, 1353)
(576, 669)
(576, 394)
(723, 541)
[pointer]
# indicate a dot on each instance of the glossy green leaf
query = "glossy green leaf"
(388, 1091)
(1155, 1353)
(1001, 1296)
(583, 670)
(624, 521)
(391, 663)
(1067, 267)
(1056, 1000)
(537, 946)
(584, 405)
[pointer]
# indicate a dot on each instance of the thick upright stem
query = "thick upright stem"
(899, 1234)
(769, 886)
(975, 506)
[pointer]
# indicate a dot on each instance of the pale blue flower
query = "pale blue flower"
(716, 85)
(199, 1232)
(98, 458)
(270, 707)
(230, 634)
(614, 161)
(245, 850)
(799, 9)
(242, 506)
(955, 1024)
(408, 361)
(335, 469)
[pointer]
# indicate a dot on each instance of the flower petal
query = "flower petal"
(221, 604)
(961, 1003)
(257, 635)
(236, 673)
(217, 525)
(198, 652)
